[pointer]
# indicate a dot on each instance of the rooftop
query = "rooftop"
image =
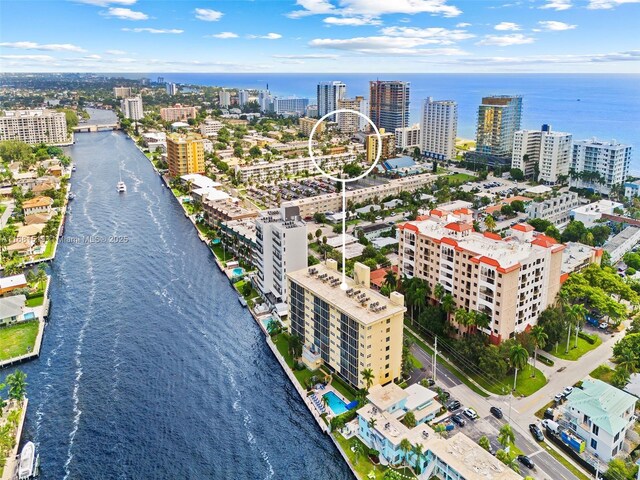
(13, 281)
(384, 397)
(621, 238)
(12, 306)
(37, 202)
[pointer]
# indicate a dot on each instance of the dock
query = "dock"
(11, 463)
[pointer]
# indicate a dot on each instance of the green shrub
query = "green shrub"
(546, 360)
(591, 339)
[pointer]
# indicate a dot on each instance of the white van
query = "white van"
(551, 426)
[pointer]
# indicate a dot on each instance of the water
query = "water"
(150, 368)
(334, 402)
(609, 106)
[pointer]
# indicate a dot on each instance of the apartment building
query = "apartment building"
(122, 92)
(243, 97)
(185, 154)
(591, 213)
(388, 149)
(555, 209)
(290, 105)
(600, 416)
(349, 330)
(224, 98)
(281, 247)
(543, 153)
(332, 202)
(328, 95)
(294, 166)
(216, 211)
(352, 122)
(132, 108)
(210, 128)
(178, 113)
(389, 104)
(439, 127)
(171, 88)
(34, 126)
(307, 124)
(511, 280)
(599, 165)
(408, 137)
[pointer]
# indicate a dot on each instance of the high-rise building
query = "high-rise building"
(408, 138)
(224, 98)
(438, 129)
(210, 127)
(388, 146)
(290, 105)
(510, 280)
(328, 94)
(243, 97)
(312, 111)
(347, 331)
(307, 124)
(178, 113)
(122, 92)
(599, 165)
(132, 108)
(265, 100)
(543, 154)
(351, 122)
(499, 119)
(160, 80)
(281, 247)
(389, 104)
(172, 88)
(34, 126)
(185, 154)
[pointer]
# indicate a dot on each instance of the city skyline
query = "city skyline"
(349, 36)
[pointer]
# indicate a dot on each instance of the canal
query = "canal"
(150, 368)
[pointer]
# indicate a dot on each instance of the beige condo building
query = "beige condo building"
(350, 330)
(510, 279)
(185, 154)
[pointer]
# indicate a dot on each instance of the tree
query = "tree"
(409, 419)
(390, 279)
(490, 223)
(439, 291)
(418, 452)
(358, 448)
(506, 436)
(506, 210)
(491, 360)
(627, 360)
(484, 442)
(516, 174)
(295, 346)
(540, 341)
(518, 206)
(620, 378)
(448, 303)
(372, 423)
(405, 446)
(368, 377)
(621, 470)
(519, 357)
(17, 383)
(576, 315)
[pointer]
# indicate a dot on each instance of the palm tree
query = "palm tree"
(490, 223)
(581, 314)
(295, 346)
(390, 279)
(418, 451)
(519, 357)
(575, 314)
(358, 449)
(439, 291)
(325, 401)
(506, 436)
(17, 383)
(367, 376)
(448, 303)
(405, 446)
(540, 338)
(627, 361)
(372, 423)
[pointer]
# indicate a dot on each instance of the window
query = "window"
(595, 430)
(594, 444)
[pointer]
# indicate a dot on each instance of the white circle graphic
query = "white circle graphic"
(378, 150)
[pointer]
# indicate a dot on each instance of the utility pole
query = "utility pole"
(435, 357)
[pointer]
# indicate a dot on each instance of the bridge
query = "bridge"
(96, 127)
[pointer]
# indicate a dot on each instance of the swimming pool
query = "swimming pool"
(237, 271)
(29, 316)
(336, 405)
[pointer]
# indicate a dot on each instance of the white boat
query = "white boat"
(27, 465)
(122, 187)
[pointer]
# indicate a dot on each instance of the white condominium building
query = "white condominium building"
(555, 209)
(328, 95)
(511, 279)
(352, 122)
(439, 127)
(224, 98)
(599, 165)
(243, 97)
(408, 137)
(290, 105)
(171, 88)
(281, 247)
(542, 152)
(34, 126)
(132, 108)
(210, 128)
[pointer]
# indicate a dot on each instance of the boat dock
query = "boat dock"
(10, 471)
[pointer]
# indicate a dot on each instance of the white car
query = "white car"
(603, 326)
(567, 391)
(470, 413)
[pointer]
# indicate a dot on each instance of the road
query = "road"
(6, 214)
(547, 467)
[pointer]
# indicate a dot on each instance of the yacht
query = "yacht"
(27, 467)
(121, 187)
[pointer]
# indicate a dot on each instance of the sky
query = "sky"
(345, 36)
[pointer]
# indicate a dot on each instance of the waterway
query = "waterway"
(150, 368)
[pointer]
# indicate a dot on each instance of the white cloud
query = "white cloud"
(554, 26)
(53, 47)
(33, 58)
(125, 14)
(311, 56)
(208, 15)
(375, 8)
(433, 35)
(174, 31)
(92, 57)
(352, 21)
(384, 45)
(268, 36)
(115, 52)
(507, 26)
(223, 35)
(608, 4)
(558, 5)
(462, 25)
(506, 40)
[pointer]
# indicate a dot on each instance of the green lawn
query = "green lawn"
(48, 251)
(604, 373)
(415, 362)
(575, 353)
(525, 385)
(15, 339)
(460, 178)
(346, 390)
(36, 300)
(283, 347)
(221, 254)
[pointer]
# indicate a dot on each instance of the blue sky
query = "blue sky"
(422, 36)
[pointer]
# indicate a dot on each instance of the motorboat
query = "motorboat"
(27, 464)
(122, 188)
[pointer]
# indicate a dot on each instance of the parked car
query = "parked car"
(548, 414)
(536, 432)
(445, 395)
(526, 461)
(496, 412)
(431, 382)
(567, 391)
(458, 420)
(559, 397)
(551, 426)
(453, 405)
(470, 413)
(603, 326)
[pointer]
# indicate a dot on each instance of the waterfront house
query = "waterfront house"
(601, 415)
(40, 188)
(380, 427)
(12, 309)
(9, 284)
(37, 205)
